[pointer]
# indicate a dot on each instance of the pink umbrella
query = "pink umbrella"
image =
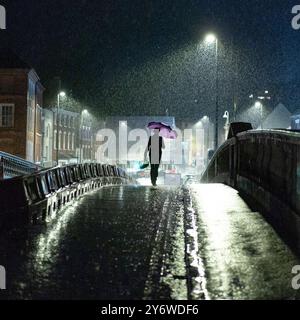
(164, 130)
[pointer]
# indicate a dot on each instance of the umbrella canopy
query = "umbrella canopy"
(164, 130)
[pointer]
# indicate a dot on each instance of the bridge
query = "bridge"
(233, 235)
(12, 166)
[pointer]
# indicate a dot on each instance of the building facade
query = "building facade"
(86, 137)
(48, 141)
(65, 136)
(21, 102)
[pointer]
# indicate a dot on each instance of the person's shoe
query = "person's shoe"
(154, 185)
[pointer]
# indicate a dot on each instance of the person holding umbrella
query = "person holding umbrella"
(155, 146)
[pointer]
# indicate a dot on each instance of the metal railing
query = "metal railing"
(12, 166)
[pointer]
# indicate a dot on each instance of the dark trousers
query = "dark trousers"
(154, 173)
(154, 168)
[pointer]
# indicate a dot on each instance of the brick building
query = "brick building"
(21, 102)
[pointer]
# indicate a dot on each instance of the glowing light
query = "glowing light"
(258, 104)
(62, 94)
(210, 38)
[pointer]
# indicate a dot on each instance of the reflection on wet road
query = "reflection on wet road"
(128, 242)
(99, 248)
(243, 256)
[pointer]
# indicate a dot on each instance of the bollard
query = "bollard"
(1, 169)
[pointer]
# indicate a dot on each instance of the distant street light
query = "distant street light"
(210, 39)
(61, 94)
(227, 123)
(259, 105)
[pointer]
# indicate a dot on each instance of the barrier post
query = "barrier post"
(1, 169)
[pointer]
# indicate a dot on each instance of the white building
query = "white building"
(279, 118)
(47, 158)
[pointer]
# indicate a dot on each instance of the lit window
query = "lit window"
(65, 141)
(55, 138)
(73, 141)
(60, 140)
(7, 115)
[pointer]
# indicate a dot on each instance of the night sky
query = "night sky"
(142, 57)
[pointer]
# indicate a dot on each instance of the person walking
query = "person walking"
(154, 148)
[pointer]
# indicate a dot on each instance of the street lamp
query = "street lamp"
(259, 105)
(227, 123)
(212, 39)
(61, 94)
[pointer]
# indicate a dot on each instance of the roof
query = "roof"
(9, 60)
(138, 121)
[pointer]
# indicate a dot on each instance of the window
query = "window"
(38, 119)
(48, 131)
(73, 141)
(30, 119)
(55, 139)
(69, 141)
(7, 115)
(65, 146)
(60, 143)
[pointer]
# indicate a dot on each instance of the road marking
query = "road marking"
(195, 267)
(158, 255)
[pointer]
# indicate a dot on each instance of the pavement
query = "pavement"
(131, 242)
(243, 256)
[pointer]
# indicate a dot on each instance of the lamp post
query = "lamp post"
(259, 105)
(210, 39)
(227, 123)
(59, 95)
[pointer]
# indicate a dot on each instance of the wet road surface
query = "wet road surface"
(108, 245)
(129, 242)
